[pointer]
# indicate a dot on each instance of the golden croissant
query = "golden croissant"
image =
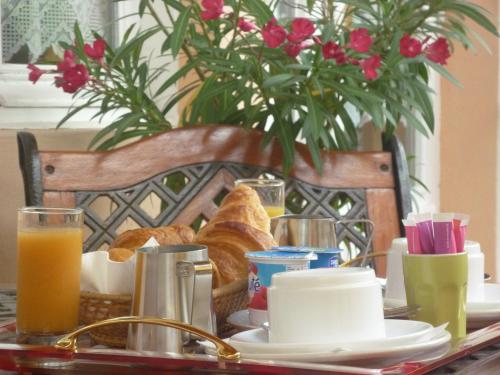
(240, 225)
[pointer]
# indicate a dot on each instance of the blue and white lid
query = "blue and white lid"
(306, 249)
(281, 255)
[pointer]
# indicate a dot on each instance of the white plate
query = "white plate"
(241, 320)
(398, 332)
(479, 314)
(434, 343)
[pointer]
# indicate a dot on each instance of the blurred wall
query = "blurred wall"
(469, 122)
(11, 185)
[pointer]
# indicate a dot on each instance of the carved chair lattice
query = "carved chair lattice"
(161, 199)
(151, 183)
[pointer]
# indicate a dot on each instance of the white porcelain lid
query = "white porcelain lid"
(322, 276)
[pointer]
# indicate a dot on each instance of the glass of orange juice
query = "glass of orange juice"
(49, 252)
(271, 193)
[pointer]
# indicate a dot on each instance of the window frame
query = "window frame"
(41, 106)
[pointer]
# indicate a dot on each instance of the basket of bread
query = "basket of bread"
(240, 225)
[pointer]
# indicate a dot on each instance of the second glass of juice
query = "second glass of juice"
(49, 252)
(271, 193)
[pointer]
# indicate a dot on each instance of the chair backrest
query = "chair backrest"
(186, 172)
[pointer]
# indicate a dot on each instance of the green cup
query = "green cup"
(438, 284)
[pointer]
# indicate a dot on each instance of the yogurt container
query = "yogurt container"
(327, 258)
(263, 265)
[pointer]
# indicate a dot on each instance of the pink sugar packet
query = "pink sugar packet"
(460, 224)
(412, 236)
(444, 238)
(425, 232)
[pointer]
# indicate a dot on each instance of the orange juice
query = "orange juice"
(274, 211)
(48, 279)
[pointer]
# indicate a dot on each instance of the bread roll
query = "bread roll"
(120, 254)
(171, 235)
(241, 224)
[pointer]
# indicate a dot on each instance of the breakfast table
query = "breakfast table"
(478, 353)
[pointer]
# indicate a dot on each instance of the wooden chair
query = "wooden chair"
(188, 171)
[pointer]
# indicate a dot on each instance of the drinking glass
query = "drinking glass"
(437, 283)
(271, 193)
(49, 252)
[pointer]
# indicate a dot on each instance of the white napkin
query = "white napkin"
(103, 275)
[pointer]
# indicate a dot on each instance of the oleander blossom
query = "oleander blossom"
(35, 73)
(294, 49)
(370, 66)
(96, 51)
(410, 47)
(213, 9)
(273, 34)
(332, 51)
(301, 29)
(245, 25)
(73, 78)
(67, 62)
(439, 51)
(360, 40)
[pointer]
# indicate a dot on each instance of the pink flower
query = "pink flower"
(370, 66)
(293, 49)
(333, 51)
(213, 9)
(360, 40)
(73, 78)
(438, 51)
(302, 29)
(68, 61)
(95, 52)
(245, 25)
(274, 35)
(410, 47)
(35, 73)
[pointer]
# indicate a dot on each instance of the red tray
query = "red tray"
(47, 359)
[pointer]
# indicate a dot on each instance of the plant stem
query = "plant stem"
(184, 48)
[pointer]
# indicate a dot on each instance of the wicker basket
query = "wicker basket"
(96, 306)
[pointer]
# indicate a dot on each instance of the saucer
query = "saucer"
(479, 313)
(241, 320)
(397, 332)
(431, 342)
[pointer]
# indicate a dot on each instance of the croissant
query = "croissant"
(171, 235)
(240, 225)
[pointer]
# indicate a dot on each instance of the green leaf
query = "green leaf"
(313, 147)
(135, 44)
(74, 111)
(476, 15)
(79, 42)
(442, 71)
(126, 121)
(176, 4)
(180, 30)
(288, 144)
(142, 7)
(314, 119)
(277, 80)
(260, 10)
(176, 76)
(110, 143)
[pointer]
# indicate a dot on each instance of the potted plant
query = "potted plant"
(308, 78)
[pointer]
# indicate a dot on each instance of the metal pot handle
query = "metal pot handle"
(224, 350)
(199, 310)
